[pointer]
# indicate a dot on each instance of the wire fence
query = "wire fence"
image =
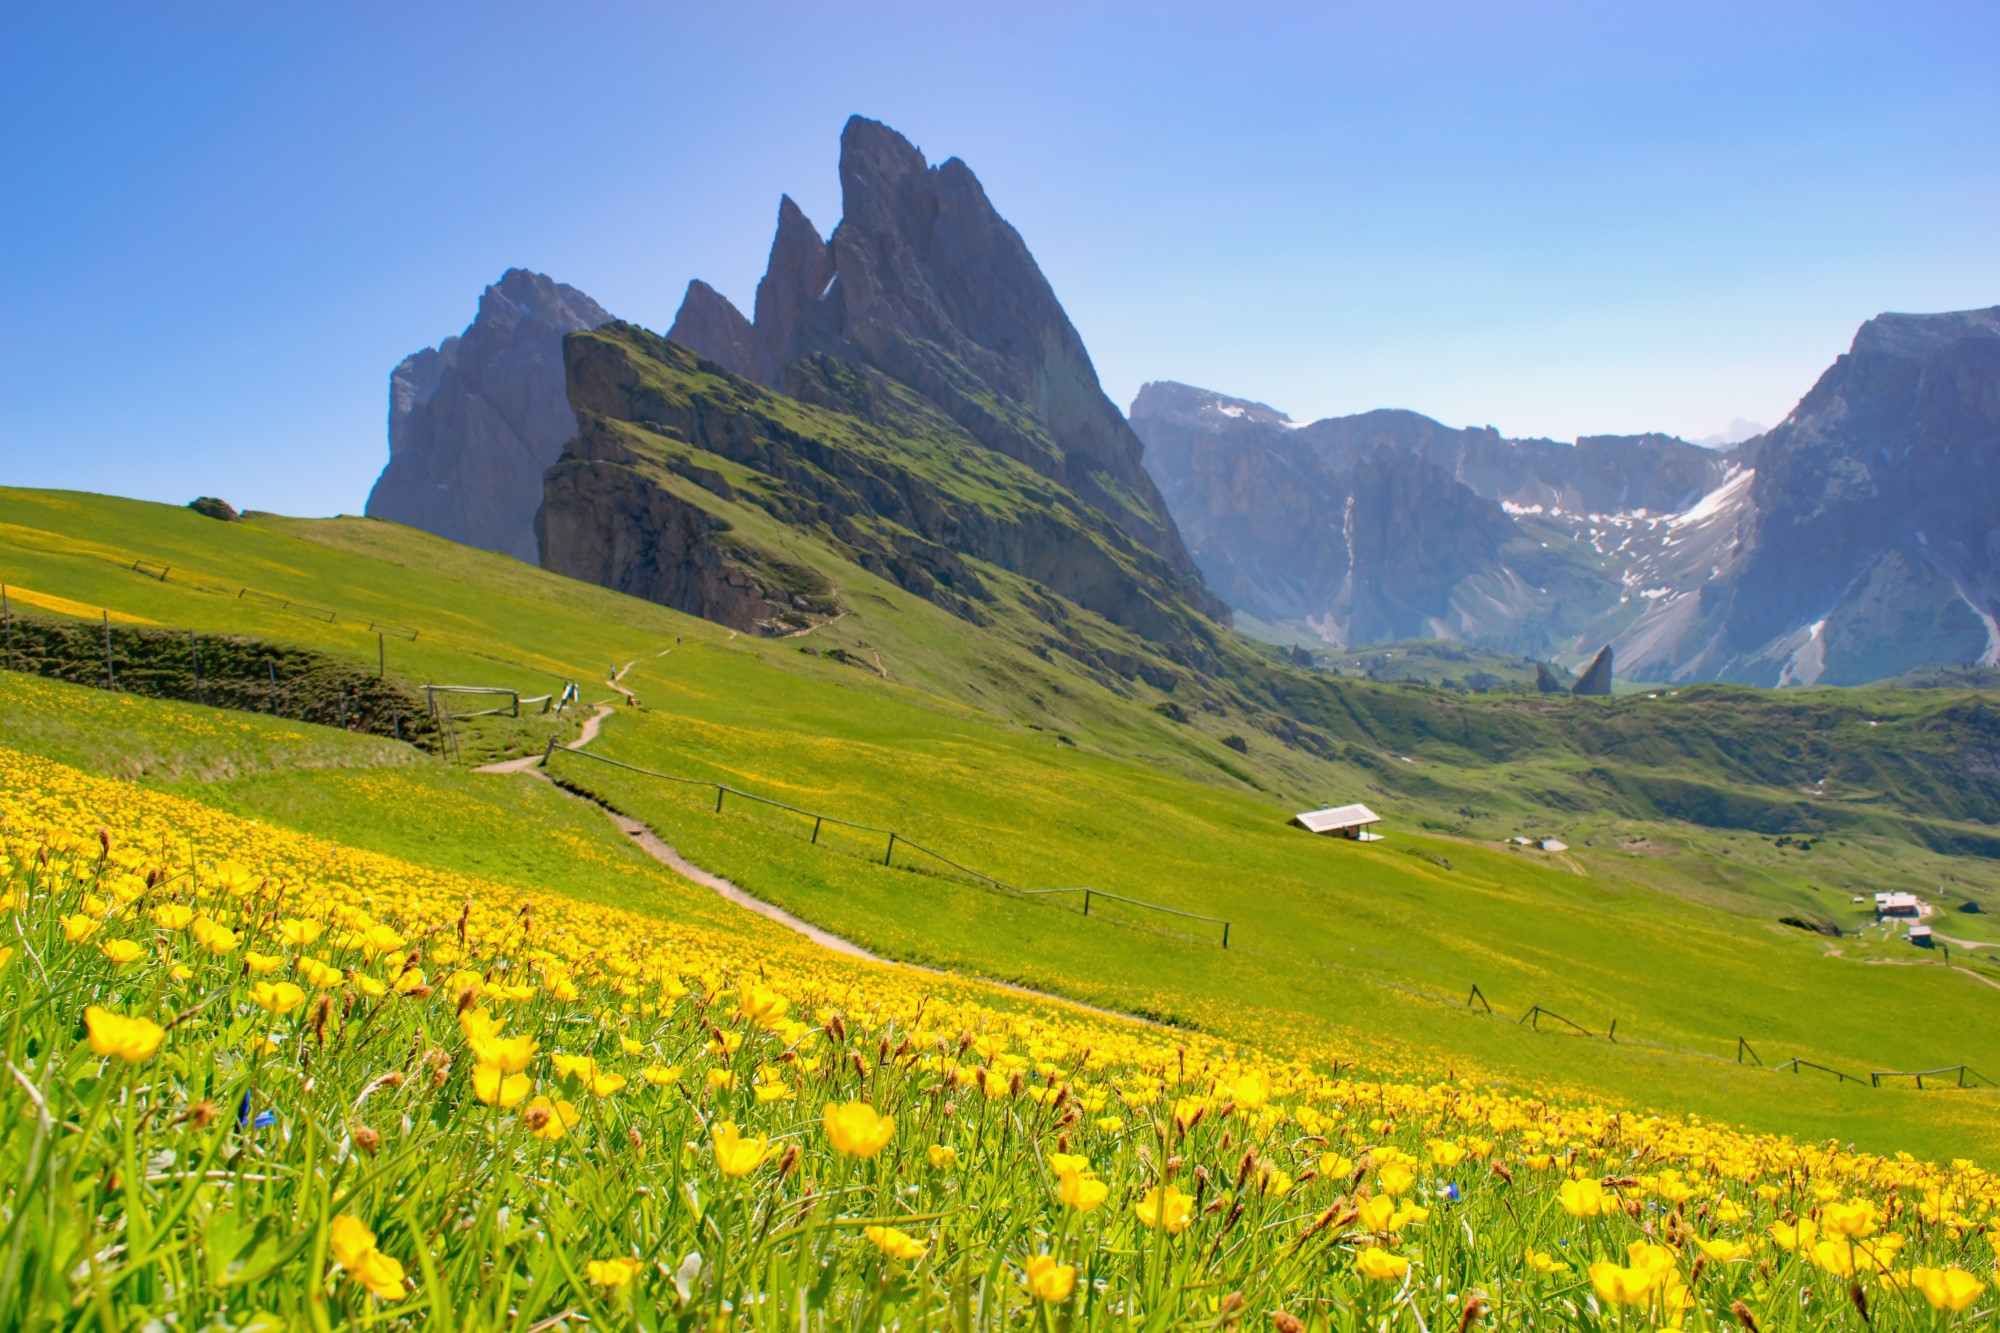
(1960, 1075)
(892, 841)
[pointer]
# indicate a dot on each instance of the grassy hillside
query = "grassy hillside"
(1697, 820)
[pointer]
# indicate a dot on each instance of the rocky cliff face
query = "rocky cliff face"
(1857, 540)
(869, 470)
(1390, 526)
(476, 420)
(1868, 535)
(926, 284)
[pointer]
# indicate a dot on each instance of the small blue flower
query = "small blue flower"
(259, 1121)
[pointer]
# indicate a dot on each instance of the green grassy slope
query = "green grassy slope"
(1036, 770)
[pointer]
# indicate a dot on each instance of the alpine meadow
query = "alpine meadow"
(798, 812)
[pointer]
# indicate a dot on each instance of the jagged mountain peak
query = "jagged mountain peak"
(474, 420)
(925, 283)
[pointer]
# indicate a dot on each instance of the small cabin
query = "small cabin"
(1921, 937)
(1905, 905)
(1355, 822)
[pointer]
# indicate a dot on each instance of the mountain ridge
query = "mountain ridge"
(1852, 542)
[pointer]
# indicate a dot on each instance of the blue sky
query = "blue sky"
(224, 224)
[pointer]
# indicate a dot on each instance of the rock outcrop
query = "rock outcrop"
(926, 284)
(476, 420)
(1596, 678)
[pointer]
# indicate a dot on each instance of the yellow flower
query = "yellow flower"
(1616, 1284)
(122, 951)
(854, 1128)
(736, 1155)
(1082, 1191)
(1375, 1213)
(1333, 1166)
(354, 1250)
(1584, 1198)
(132, 1039)
(721, 1078)
(1109, 1124)
(660, 1075)
(1395, 1178)
(1249, 1092)
(1946, 1288)
(261, 964)
(1445, 1153)
(1792, 1236)
(493, 1085)
(1850, 1221)
(1165, 1207)
(1835, 1256)
(79, 927)
(761, 1006)
(613, 1273)
(549, 1120)
(299, 933)
(1724, 1251)
(409, 979)
(214, 936)
(372, 987)
(630, 1047)
(943, 1156)
(509, 1053)
(896, 1244)
(1049, 1280)
(1378, 1264)
(1541, 1262)
(173, 916)
(280, 997)
(319, 975)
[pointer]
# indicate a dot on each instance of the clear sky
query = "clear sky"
(223, 224)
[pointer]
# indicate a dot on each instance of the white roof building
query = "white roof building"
(1898, 904)
(1341, 821)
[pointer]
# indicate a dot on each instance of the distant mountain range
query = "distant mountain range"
(910, 390)
(1857, 540)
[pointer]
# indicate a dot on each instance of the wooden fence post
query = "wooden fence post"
(1086, 902)
(719, 789)
(548, 750)
(892, 849)
(1225, 934)
(817, 821)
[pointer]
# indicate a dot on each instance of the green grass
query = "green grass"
(1048, 773)
(1683, 950)
(259, 1080)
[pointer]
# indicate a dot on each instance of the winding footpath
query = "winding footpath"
(657, 847)
(650, 842)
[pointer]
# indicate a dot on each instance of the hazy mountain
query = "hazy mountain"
(476, 420)
(1858, 539)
